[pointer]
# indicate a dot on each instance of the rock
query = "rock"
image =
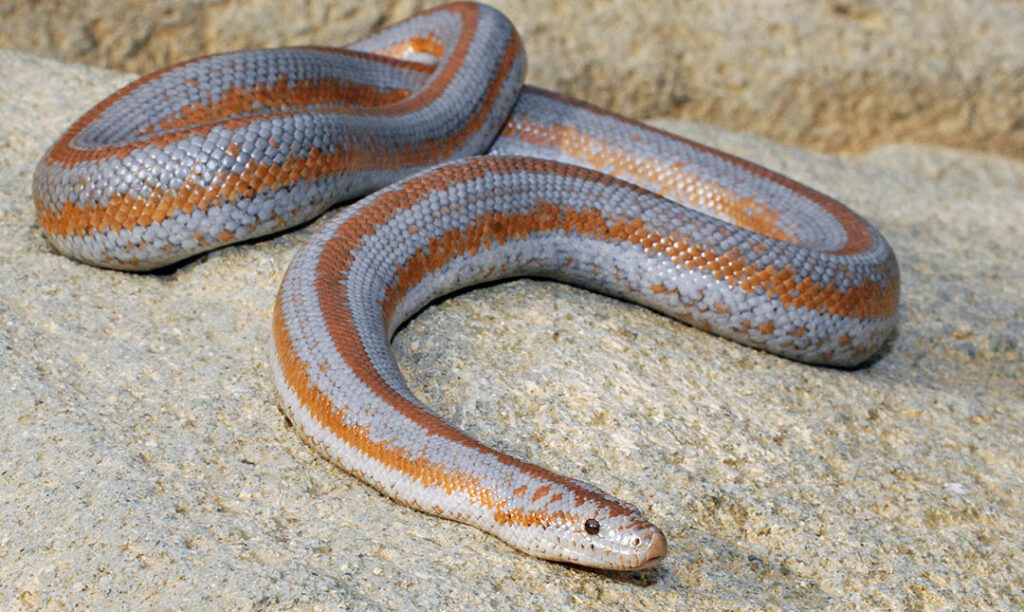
(145, 462)
(840, 76)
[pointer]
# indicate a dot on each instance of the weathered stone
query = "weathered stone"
(144, 462)
(840, 76)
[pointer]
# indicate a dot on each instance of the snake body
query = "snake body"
(230, 147)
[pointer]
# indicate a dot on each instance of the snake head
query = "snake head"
(573, 522)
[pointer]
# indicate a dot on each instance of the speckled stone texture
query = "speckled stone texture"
(838, 75)
(144, 462)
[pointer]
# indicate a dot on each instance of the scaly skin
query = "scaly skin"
(231, 147)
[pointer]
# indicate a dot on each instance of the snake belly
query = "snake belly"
(478, 179)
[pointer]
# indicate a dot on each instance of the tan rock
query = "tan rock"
(144, 462)
(841, 76)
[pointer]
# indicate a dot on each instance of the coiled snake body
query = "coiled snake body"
(231, 147)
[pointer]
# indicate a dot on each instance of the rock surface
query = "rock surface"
(144, 462)
(842, 75)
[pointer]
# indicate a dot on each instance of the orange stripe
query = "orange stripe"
(125, 212)
(330, 277)
(333, 300)
(283, 98)
(428, 44)
(395, 457)
(858, 238)
(690, 187)
(63, 152)
(870, 300)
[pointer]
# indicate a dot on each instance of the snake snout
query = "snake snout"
(655, 551)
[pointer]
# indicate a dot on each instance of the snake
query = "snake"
(472, 177)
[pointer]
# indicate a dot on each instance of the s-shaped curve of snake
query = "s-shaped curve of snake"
(226, 148)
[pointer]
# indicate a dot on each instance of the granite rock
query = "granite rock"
(145, 463)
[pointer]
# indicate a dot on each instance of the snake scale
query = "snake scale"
(473, 177)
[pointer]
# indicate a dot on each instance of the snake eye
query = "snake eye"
(592, 527)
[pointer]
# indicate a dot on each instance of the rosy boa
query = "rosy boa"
(231, 147)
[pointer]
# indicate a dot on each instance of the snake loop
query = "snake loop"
(479, 179)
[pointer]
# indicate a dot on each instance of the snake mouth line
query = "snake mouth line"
(656, 550)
